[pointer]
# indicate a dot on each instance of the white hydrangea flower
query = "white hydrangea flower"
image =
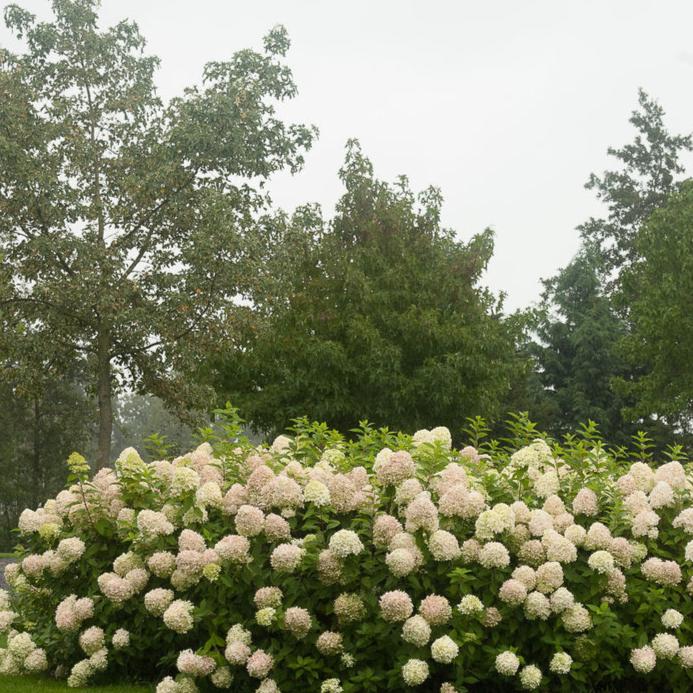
(444, 650)
(281, 444)
(507, 663)
(416, 630)
(442, 435)
(530, 677)
(688, 553)
(317, 493)
(470, 604)
(265, 616)
(415, 672)
(561, 663)
(643, 659)
(120, 639)
(601, 562)
(331, 686)
(672, 619)
(345, 542)
(665, 645)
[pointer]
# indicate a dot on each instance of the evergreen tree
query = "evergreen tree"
(583, 324)
(579, 332)
(649, 171)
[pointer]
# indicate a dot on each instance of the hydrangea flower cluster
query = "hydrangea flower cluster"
(398, 561)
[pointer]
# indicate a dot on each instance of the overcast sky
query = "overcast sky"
(505, 105)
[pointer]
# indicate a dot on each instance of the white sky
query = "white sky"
(507, 106)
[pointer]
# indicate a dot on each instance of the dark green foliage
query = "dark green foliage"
(582, 325)
(38, 430)
(375, 315)
(657, 293)
(578, 333)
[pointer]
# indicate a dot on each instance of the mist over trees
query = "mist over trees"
(146, 278)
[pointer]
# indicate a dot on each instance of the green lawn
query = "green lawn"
(36, 684)
(7, 555)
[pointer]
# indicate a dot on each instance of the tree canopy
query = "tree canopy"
(657, 293)
(649, 170)
(126, 221)
(139, 254)
(376, 314)
(579, 332)
(584, 322)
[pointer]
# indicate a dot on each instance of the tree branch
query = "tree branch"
(43, 302)
(144, 222)
(182, 334)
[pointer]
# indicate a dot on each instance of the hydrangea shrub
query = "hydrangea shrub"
(383, 563)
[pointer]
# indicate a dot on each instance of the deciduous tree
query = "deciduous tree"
(657, 292)
(126, 222)
(377, 314)
(649, 170)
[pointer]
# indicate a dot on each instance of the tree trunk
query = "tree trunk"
(37, 482)
(104, 397)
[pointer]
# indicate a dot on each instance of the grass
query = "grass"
(37, 684)
(7, 555)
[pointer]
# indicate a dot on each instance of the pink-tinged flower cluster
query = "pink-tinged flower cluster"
(394, 467)
(120, 639)
(297, 621)
(72, 612)
(259, 664)
(91, 640)
(401, 561)
(585, 503)
(250, 521)
(154, 524)
(178, 616)
(162, 564)
(684, 521)
(329, 643)
(513, 592)
(661, 572)
(421, 513)
(233, 548)
(119, 589)
(194, 665)
(156, 601)
(286, 558)
(494, 555)
(396, 606)
(643, 659)
(435, 609)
